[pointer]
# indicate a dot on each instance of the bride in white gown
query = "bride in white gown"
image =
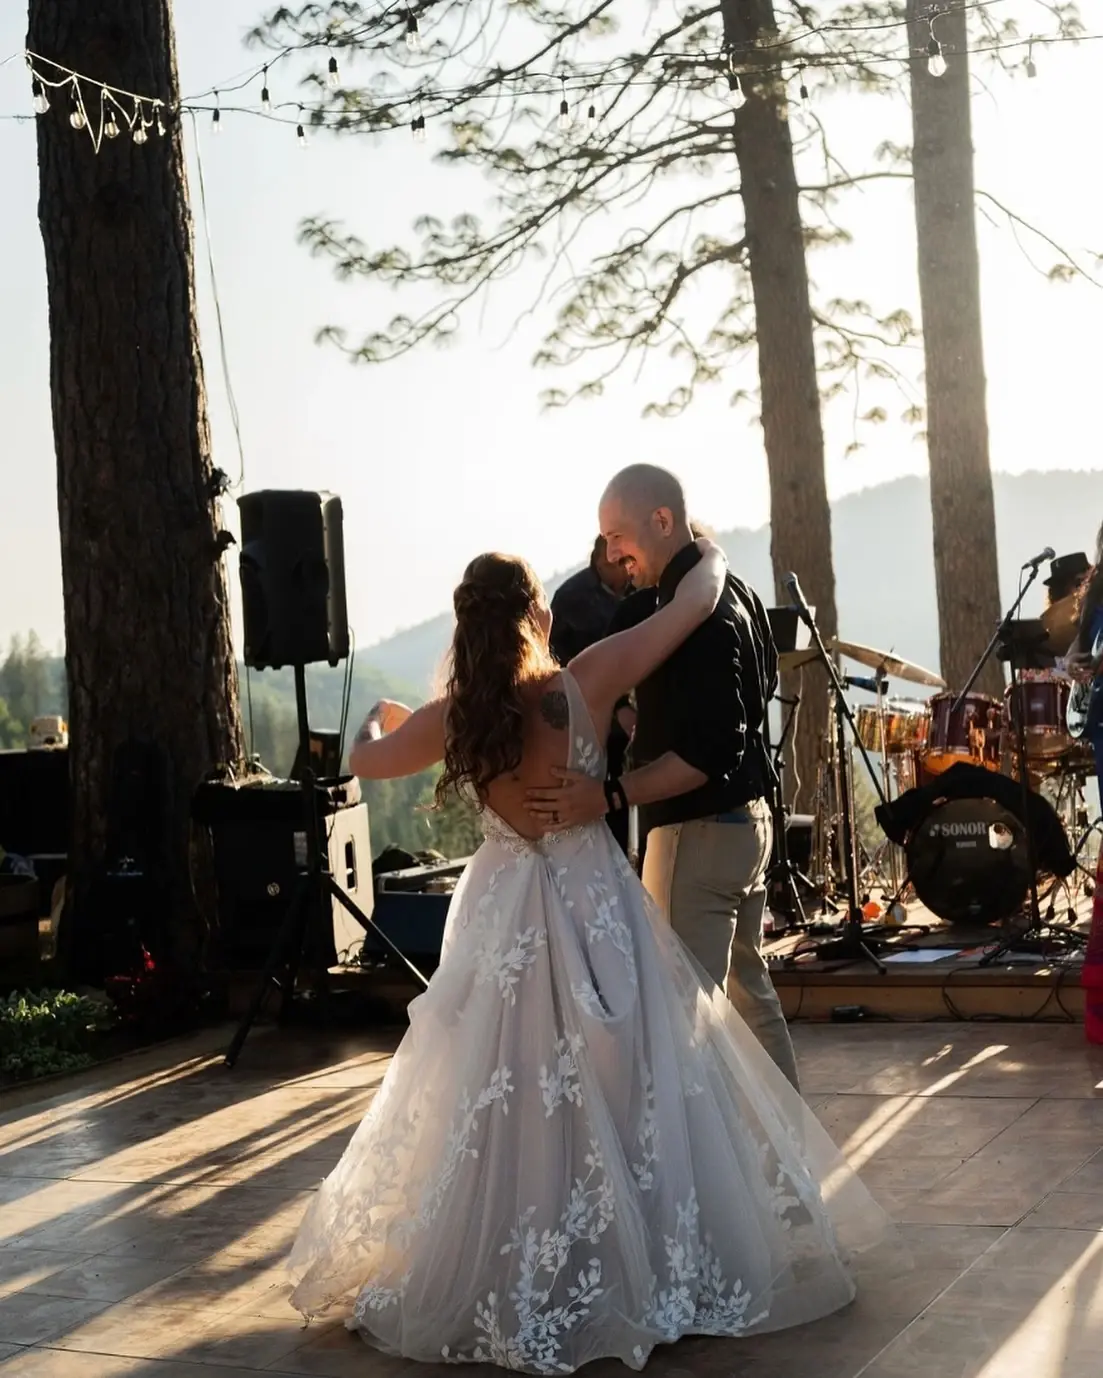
(579, 1150)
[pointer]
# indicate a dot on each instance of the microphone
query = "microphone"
(792, 583)
(1040, 558)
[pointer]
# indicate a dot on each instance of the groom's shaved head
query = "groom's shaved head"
(643, 519)
(644, 488)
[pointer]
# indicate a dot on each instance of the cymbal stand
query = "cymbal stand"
(852, 945)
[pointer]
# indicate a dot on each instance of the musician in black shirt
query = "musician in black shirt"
(700, 771)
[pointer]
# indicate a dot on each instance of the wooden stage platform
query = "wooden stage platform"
(933, 971)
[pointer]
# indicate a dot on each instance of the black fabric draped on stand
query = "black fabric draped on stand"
(901, 816)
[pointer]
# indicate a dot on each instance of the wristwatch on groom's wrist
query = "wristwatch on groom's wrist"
(615, 798)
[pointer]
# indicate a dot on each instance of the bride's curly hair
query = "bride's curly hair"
(497, 648)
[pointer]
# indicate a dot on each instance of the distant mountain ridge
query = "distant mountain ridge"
(884, 566)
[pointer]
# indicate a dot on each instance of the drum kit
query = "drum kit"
(916, 741)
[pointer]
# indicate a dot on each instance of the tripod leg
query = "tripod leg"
(290, 926)
(370, 925)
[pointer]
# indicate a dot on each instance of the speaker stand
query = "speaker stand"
(315, 890)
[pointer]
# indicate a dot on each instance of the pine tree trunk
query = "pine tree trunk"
(800, 515)
(962, 506)
(148, 649)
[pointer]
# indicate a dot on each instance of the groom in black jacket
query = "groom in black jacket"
(700, 773)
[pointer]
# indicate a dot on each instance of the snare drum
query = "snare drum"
(907, 722)
(1044, 698)
(971, 736)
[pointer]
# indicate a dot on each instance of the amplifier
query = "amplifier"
(259, 846)
(34, 801)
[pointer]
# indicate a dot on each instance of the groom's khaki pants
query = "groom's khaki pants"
(708, 877)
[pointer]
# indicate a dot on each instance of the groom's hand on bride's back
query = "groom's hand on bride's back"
(575, 799)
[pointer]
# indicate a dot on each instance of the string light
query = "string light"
(334, 77)
(216, 116)
(936, 63)
(110, 127)
(148, 111)
(564, 109)
(300, 134)
(417, 125)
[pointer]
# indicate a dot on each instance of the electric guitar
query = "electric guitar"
(1076, 712)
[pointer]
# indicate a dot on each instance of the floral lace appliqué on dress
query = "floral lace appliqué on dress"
(579, 1150)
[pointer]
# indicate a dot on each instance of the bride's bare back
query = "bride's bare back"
(546, 744)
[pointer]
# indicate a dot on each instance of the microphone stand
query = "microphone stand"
(853, 944)
(1005, 636)
(1000, 634)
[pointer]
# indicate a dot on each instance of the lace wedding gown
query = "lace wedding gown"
(579, 1150)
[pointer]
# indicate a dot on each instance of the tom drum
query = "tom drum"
(971, 735)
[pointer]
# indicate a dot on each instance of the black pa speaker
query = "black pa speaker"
(293, 579)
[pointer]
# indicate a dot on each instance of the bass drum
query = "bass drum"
(967, 861)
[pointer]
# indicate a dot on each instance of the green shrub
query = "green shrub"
(50, 1031)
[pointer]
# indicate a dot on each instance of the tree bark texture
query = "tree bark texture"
(800, 514)
(962, 505)
(149, 655)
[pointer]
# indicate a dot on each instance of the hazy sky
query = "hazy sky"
(448, 453)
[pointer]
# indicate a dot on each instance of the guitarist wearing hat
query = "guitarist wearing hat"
(1085, 666)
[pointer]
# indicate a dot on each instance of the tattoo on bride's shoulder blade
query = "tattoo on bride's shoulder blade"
(554, 709)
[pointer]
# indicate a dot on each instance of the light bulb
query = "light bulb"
(564, 115)
(216, 121)
(266, 101)
(417, 125)
(160, 122)
(738, 95)
(591, 118)
(1031, 70)
(413, 33)
(140, 135)
(300, 134)
(41, 101)
(76, 117)
(110, 128)
(936, 63)
(334, 77)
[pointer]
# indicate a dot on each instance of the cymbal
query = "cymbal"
(887, 663)
(795, 660)
(1061, 621)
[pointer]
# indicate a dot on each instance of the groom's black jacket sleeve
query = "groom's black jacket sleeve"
(708, 701)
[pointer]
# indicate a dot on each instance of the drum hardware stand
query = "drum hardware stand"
(853, 944)
(314, 892)
(783, 878)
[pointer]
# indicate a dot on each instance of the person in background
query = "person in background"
(636, 605)
(1066, 574)
(583, 608)
(583, 605)
(1085, 661)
